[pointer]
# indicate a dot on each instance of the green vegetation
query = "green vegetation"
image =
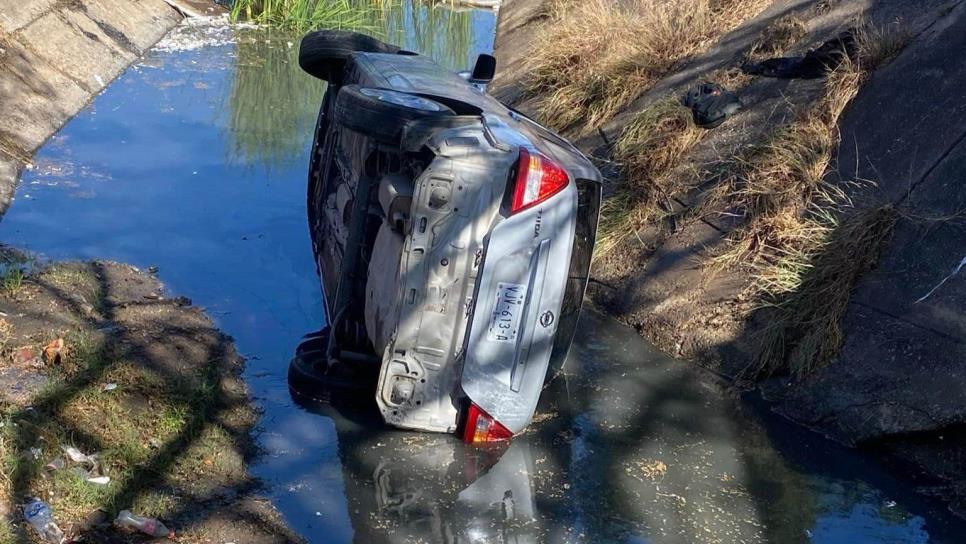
(272, 107)
(172, 428)
(12, 280)
(305, 14)
(13, 269)
(76, 412)
(429, 27)
(433, 29)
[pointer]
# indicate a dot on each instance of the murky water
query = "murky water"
(194, 161)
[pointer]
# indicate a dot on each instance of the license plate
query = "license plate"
(505, 322)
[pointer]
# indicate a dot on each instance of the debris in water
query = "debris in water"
(202, 32)
(109, 387)
(654, 469)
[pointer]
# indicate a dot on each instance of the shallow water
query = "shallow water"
(194, 161)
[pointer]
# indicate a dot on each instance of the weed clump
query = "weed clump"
(649, 148)
(595, 57)
(301, 14)
(778, 37)
(802, 259)
(804, 330)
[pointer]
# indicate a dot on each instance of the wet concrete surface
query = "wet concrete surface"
(194, 161)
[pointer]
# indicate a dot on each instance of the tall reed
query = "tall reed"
(306, 14)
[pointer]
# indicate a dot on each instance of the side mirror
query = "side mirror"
(484, 70)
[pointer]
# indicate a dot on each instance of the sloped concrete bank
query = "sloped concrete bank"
(55, 55)
(897, 384)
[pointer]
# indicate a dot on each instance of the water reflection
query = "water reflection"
(629, 446)
(272, 105)
(448, 35)
(406, 487)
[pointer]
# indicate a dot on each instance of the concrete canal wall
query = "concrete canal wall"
(897, 383)
(55, 55)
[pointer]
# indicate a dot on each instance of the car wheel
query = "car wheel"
(312, 374)
(323, 53)
(382, 114)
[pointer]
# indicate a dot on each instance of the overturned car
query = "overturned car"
(453, 239)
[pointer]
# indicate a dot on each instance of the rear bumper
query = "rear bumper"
(455, 205)
(459, 251)
(531, 249)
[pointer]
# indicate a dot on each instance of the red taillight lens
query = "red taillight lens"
(538, 178)
(480, 427)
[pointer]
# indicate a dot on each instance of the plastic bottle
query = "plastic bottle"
(40, 516)
(148, 526)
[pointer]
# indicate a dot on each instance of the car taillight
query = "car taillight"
(480, 427)
(538, 178)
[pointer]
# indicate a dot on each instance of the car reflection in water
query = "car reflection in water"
(422, 487)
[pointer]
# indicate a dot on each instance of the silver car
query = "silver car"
(453, 238)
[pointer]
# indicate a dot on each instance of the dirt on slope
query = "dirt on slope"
(95, 356)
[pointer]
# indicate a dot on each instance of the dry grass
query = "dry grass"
(879, 45)
(778, 37)
(650, 147)
(804, 330)
(802, 261)
(781, 188)
(594, 57)
(731, 78)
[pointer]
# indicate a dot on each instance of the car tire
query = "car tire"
(323, 53)
(383, 114)
(312, 375)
